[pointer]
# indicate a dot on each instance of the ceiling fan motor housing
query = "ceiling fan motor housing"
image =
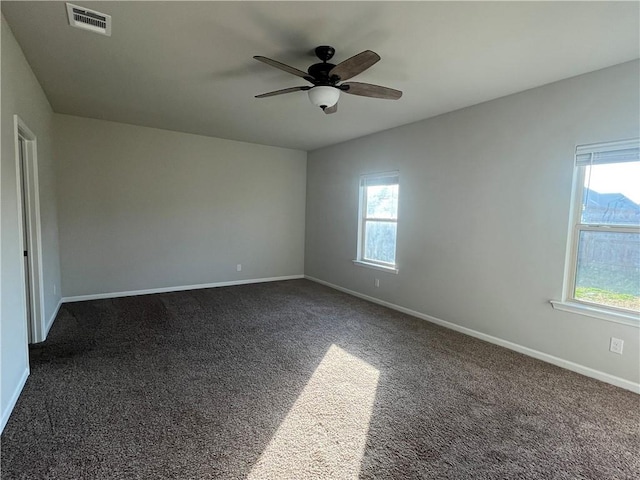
(320, 72)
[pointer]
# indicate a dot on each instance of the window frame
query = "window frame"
(361, 260)
(569, 301)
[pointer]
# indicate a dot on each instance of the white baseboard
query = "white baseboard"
(13, 400)
(545, 357)
(99, 296)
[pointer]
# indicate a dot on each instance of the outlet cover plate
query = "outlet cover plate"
(616, 345)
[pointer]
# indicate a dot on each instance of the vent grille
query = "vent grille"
(91, 20)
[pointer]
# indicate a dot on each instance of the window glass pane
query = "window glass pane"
(612, 194)
(380, 241)
(608, 270)
(382, 201)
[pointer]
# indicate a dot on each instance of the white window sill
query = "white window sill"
(375, 266)
(595, 312)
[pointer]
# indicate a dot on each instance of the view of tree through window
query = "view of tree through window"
(608, 244)
(379, 222)
(380, 234)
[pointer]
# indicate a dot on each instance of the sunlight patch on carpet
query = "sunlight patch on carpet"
(325, 432)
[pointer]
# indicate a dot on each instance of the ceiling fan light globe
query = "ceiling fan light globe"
(324, 96)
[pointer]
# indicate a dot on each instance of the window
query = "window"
(604, 265)
(378, 220)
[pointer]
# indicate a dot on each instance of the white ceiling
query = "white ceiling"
(187, 66)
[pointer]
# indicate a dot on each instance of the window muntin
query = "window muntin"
(605, 254)
(378, 220)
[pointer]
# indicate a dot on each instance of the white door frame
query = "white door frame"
(34, 242)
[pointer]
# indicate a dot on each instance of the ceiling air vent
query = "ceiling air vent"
(91, 20)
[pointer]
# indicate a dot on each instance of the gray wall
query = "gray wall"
(483, 214)
(22, 95)
(142, 208)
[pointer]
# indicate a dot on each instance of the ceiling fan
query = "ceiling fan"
(326, 78)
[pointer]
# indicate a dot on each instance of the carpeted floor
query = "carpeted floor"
(294, 380)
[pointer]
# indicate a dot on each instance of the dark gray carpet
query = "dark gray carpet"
(231, 383)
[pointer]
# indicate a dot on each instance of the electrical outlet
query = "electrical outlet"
(616, 345)
(377, 283)
(239, 267)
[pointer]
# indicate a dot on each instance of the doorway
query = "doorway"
(30, 233)
(25, 235)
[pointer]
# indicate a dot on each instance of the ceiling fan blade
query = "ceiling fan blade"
(333, 109)
(284, 67)
(354, 65)
(284, 90)
(368, 90)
